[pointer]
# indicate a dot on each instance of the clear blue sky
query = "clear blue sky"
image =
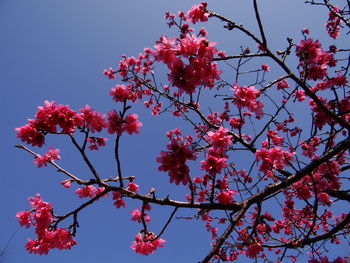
(57, 50)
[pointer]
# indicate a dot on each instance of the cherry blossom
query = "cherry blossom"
(144, 245)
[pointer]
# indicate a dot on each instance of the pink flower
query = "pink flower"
(121, 93)
(114, 123)
(282, 84)
(277, 140)
(333, 23)
(313, 60)
(51, 115)
(247, 97)
(143, 246)
(220, 139)
(133, 187)
(237, 123)
(214, 163)
(253, 250)
(137, 214)
(198, 52)
(41, 217)
(274, 157)
(87, 191)
(66, 183)
(29, 134)
(40, 161)
(305, 31)
(324, 199)
(265, 67)
(132, 124)
(96, 142)
(24, 218)
(226, 197)
(174, 160)
(303, 190)
(93, 120)
(59, 238)
(109, 73)
(51, 155)
(198, 13)
(119, 201)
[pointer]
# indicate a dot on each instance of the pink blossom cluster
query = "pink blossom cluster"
(274, 138)
(147, 244)
(215, 162)
(325, 178)
(282, 84)
(121, 93)
(220, 141)
(93, 120)
(116, 124)
(198, 13)
(137, 216)
(89, 191)
(96, 142)
(40, 216)
(247, 97)
(237, 123)
(133, 187)
(51, 155)
(310, 147)
(321, 118)
(110, 73)
(226, 196)
(174, 160)
(265, 67)
(118, 199)
(333, 23)
(46, 120)
(254, 249)
(339, 80)
(313, 60)
(51, 117)
(273, 158)
(199, 53)
(142, 64)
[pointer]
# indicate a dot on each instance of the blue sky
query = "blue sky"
(57, 50)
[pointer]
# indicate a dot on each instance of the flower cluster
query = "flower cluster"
(137, 216)
(89, 191)
(282, 84)
(174, 160)
(310, 147)
(325, 178)
(117, 125)
(119, 201)
(247, 97)
(93, 120)
(273, 158)
(96, 142)
(46, 120)
(40, 216)
(333, 23)
(148, 244)
(199, 53)
(220, 140)
(314, 61)
(51, 155)
(198, 13)
(121, 93)
(51, 117)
